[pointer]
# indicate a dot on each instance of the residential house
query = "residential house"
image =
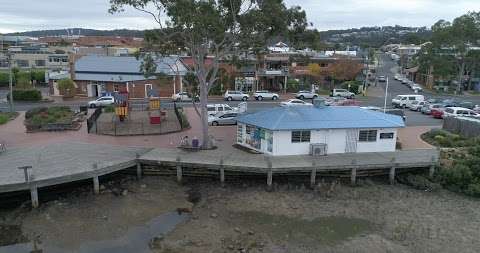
(95, 75)
(301, 130)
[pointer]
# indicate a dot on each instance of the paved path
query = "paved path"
(14, 135)
(410, 137)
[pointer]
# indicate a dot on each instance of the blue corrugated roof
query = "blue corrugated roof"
(328, 117)
(126, 65)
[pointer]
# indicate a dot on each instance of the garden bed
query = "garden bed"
(58, 118)
(7, 116)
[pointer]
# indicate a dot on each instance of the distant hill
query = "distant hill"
(377, 36)
(364, 37)
(81, 31)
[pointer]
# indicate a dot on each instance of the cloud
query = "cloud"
(25, 15)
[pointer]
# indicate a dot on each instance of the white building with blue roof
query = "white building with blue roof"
(318, 130)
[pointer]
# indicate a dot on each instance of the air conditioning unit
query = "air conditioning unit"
(318, 149)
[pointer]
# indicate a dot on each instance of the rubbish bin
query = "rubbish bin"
(195, 142)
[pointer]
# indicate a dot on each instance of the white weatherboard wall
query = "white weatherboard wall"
(335, 140)
(381, 145)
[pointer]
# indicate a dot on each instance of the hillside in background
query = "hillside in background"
(364, 37)
(81, 31)
(377, 36)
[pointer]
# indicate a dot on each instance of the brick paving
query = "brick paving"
(410, 137)
(14, 135)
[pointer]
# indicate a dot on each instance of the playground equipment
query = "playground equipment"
(155, 112)
(121, 105)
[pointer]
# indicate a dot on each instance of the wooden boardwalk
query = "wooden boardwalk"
(69, 162)
(62, 163)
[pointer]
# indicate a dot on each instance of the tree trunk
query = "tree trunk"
(460, 77)
(204, 114)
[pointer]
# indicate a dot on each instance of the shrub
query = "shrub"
(354, 86)
(109, 109)
(3, 119)
(27, 95)
(38, 76)
(67, 87)
(4, 79)
(473, 189)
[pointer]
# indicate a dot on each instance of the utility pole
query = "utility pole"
(9, 55)
(386, 95)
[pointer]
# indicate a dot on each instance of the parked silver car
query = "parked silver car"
(306, 94)
(101, 101)
(235, 95)
(228, 118)
(265, 94)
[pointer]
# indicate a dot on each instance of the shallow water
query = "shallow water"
(325, 230)
(136, 239)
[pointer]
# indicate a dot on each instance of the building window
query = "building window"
(249, 129)
(386, 135)
(239, 133)
(367, 136)
(300, 136)
(40, 63)
(22, 63)
(115, 88)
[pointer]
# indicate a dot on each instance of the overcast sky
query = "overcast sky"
(27, 15)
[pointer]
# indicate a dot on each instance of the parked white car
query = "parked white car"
(265, 94)
(303, 94)
(476, 108)
(398, 77)
(101, 101)
(417, 105)
(295, 102)
(214, 109)
(235, 95)
(227, 118)
(342, 93)
(416, 87)
(404, 101)
(459, 112)
(182, 96)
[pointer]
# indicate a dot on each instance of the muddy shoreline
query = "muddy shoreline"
(244, 217)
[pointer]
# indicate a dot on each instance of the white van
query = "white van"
(404, 101)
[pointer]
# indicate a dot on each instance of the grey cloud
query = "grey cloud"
(22, 15)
